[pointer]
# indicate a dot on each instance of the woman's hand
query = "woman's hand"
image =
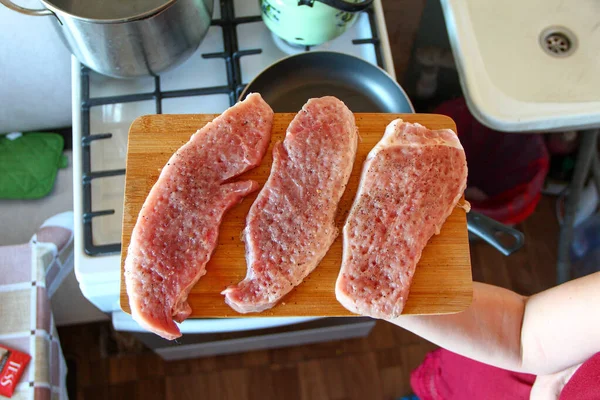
(542, 334)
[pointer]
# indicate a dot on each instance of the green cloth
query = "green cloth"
(29, 163)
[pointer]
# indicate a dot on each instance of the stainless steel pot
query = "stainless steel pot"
(128, 38)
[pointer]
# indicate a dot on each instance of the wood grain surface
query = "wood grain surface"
(442, 282)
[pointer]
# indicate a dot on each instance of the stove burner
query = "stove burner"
(287, 47)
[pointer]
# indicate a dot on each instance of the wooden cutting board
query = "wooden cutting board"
(442, 282)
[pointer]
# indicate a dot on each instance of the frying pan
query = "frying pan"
(288, 83)
(364, 87)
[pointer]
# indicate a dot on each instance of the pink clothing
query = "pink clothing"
(444, 375)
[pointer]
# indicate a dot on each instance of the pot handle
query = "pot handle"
(339, 4)
(26, 11)
(487, 229)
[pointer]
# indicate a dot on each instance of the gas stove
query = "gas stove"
(236, 48)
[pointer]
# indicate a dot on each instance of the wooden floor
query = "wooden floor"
(376, 367)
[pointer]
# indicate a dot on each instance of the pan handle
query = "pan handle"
(340, 4)
(26, 11)
(487, 229)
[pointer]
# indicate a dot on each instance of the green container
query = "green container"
(309, 24)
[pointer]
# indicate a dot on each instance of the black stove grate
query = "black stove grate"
(231, 55)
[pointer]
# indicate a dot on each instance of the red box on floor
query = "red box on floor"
(12, 365)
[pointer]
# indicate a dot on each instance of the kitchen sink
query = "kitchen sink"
(528, 65)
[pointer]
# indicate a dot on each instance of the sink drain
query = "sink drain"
(558, 41)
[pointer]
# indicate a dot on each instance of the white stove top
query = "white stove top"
(99, 275)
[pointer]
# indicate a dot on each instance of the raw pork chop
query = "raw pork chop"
(291, 224)
(177, 228)
(411, 182)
